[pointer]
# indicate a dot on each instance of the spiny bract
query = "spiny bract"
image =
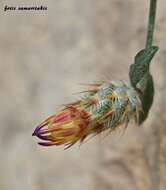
(105, 106)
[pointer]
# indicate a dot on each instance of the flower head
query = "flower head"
(105, 106)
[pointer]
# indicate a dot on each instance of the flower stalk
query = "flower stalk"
(151, 24)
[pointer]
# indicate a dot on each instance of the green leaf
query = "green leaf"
(141, 65)
(147, 100)
(142, 81)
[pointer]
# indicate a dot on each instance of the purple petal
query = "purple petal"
(45, 143)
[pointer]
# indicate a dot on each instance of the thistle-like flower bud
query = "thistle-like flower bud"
(106, 106)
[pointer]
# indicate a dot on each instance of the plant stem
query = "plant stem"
(151, 24)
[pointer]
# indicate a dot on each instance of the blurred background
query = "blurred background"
(44, 56)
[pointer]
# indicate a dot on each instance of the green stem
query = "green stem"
(151, 24)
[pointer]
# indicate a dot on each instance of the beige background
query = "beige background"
(44, 56)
